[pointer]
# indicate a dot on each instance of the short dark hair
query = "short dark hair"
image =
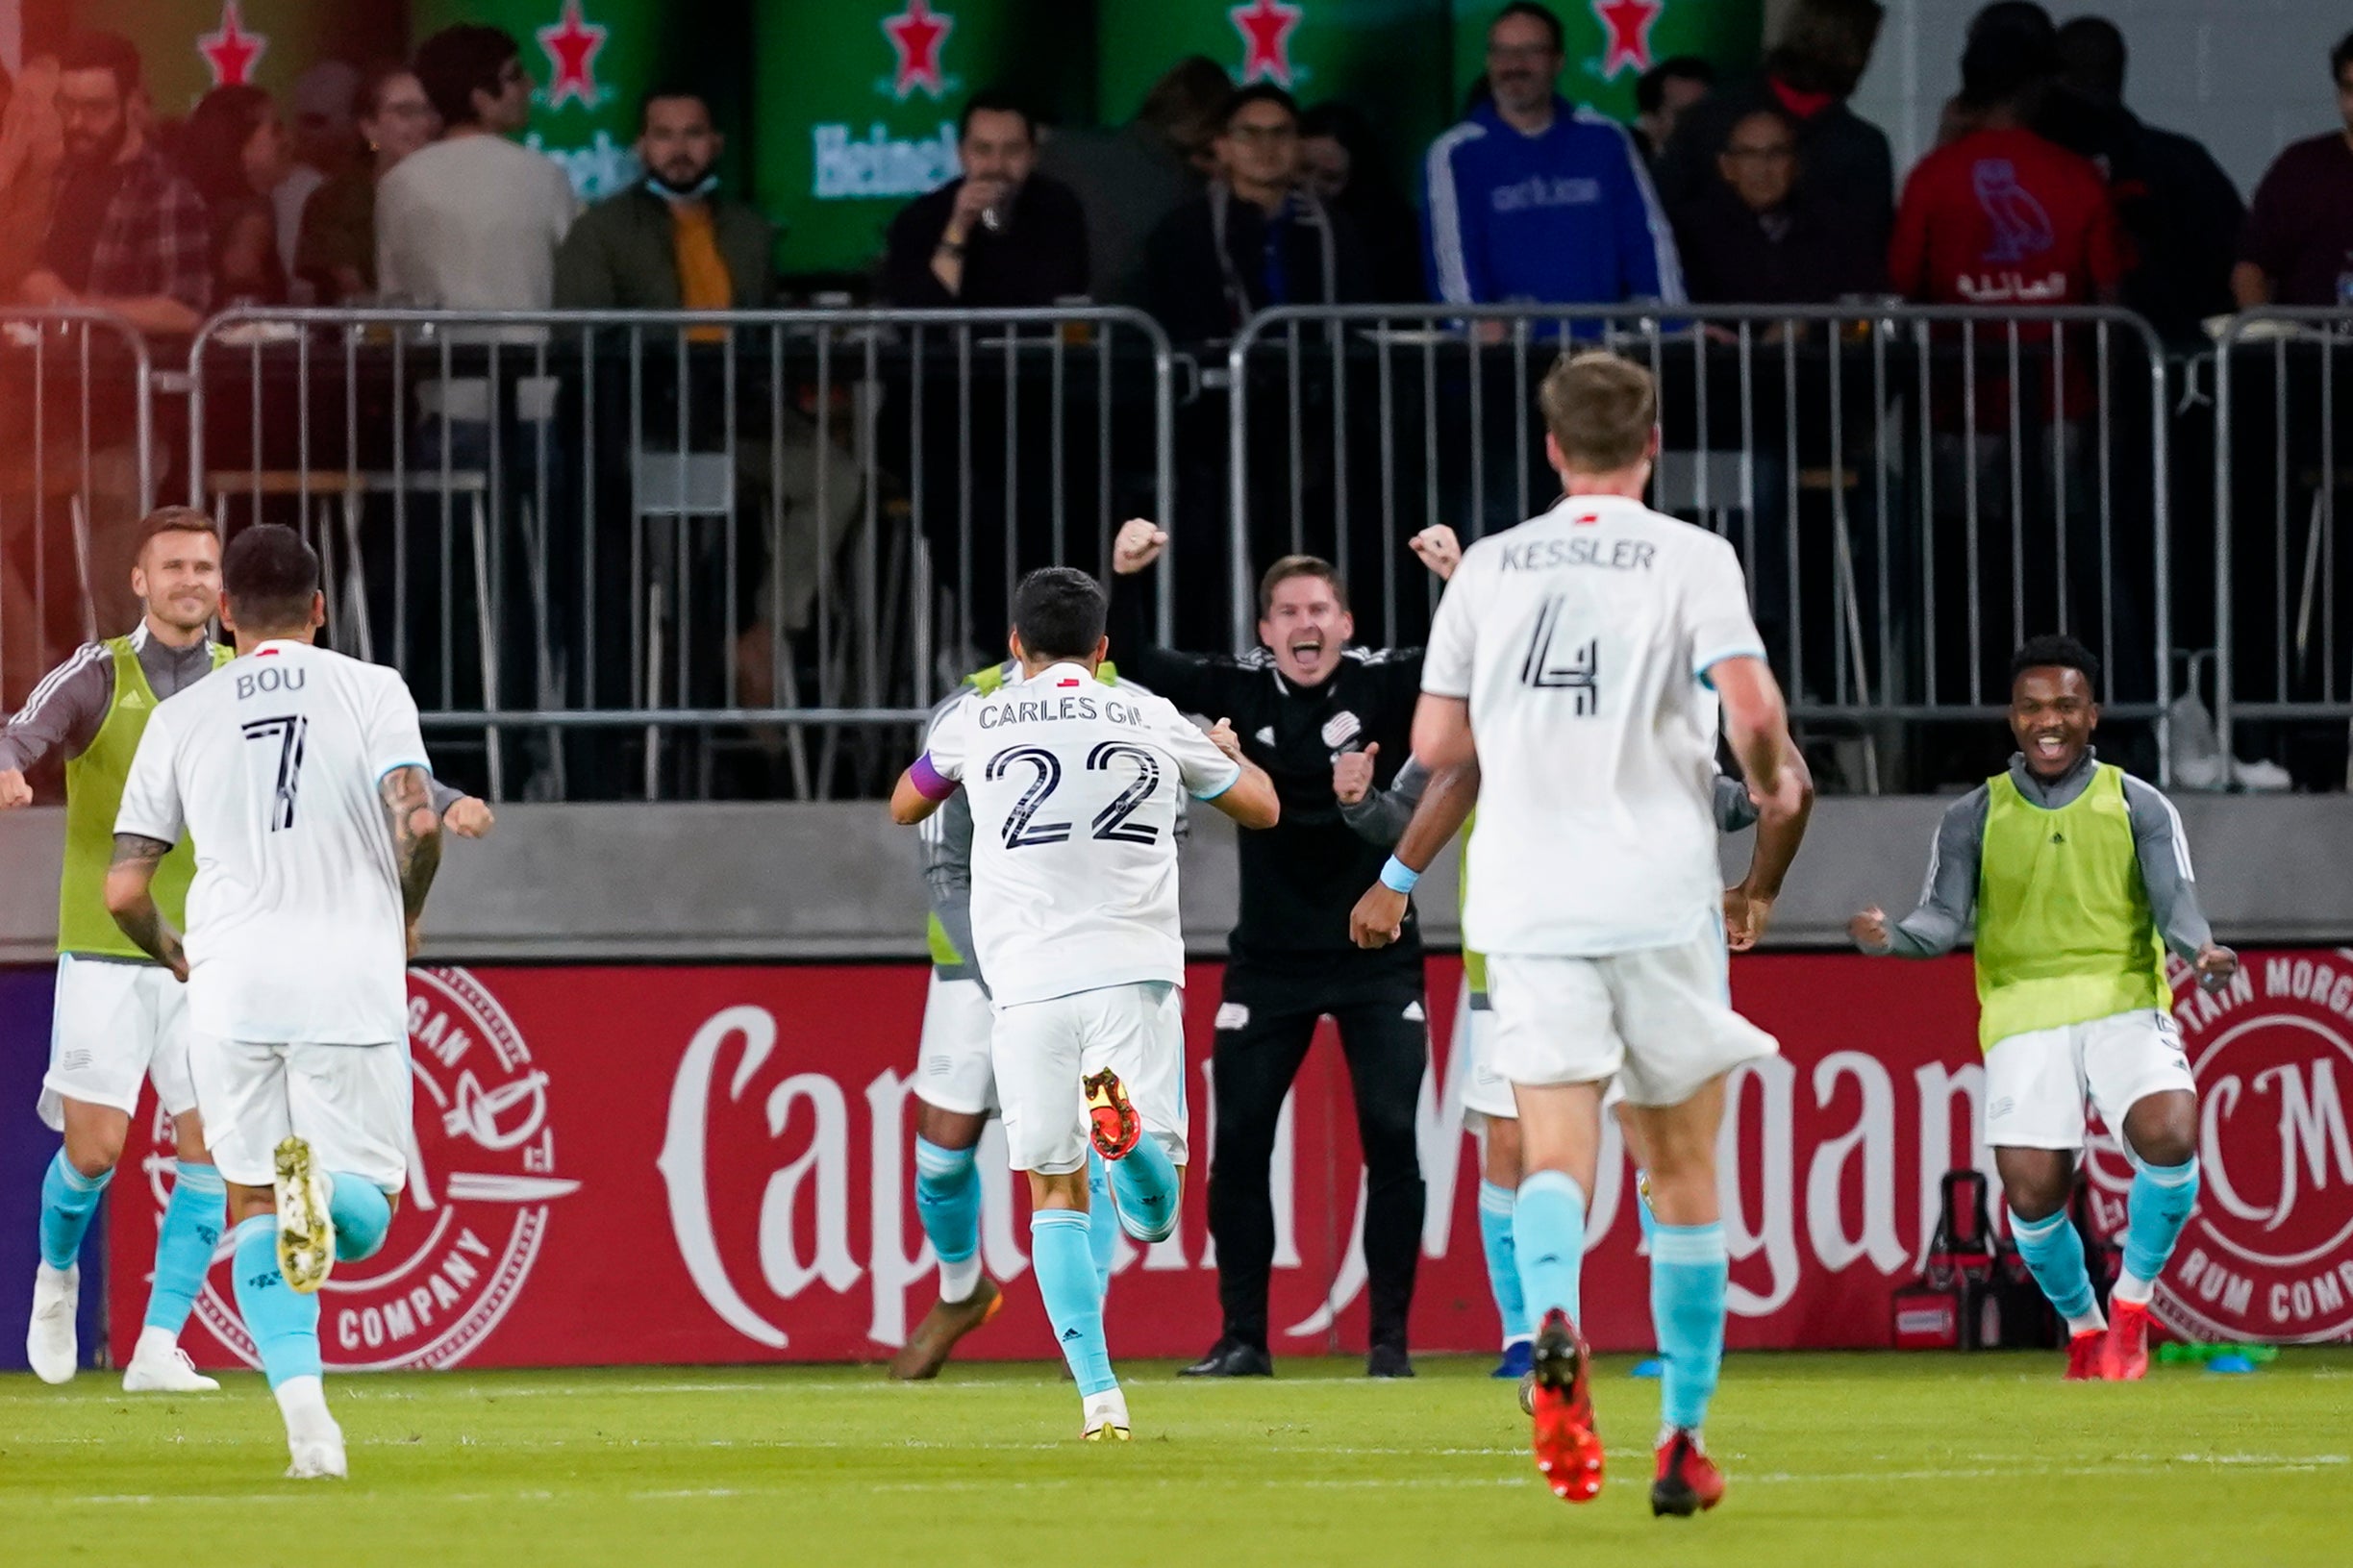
(459, 62)
(1825, 46)
(213, 142)
(1291, 567)
(2055, 651)
(1650, 88)
(104, 52)
(2011, 54)
(664, 92)
(2340, 57)
(174, 521)
(1058, 614)
(1536, 14)
(1259, 92)
(271, 577)
(994, 101)
(2092, 55)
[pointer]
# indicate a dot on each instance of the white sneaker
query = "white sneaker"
(50, 1348)
(306, 1228)
(1107, 1417)
(318, 1457)
(160, 1366)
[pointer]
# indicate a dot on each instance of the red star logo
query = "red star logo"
(571, 46)
(1264, 26)
(230, 50)
(1629, 26)
(916, 34)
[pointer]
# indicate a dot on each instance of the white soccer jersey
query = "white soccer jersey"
(295, 927)
(1073, 788)
(1582, 639)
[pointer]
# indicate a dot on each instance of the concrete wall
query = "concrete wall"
(2246, 77)
(700, 883)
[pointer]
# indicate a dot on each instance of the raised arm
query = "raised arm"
(1379, 816)
(407, 793)
(2163, 853)
(129, 898)
(1188, 679)
(1948, 898)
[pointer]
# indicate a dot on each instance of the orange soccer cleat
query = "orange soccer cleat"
(1109, 1117)
(1686, 1481)
(2125, 1357)
(2083, 1354)
(1566, 1448)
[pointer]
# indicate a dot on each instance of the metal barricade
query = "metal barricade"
(1912, 489)
(2283, 455)
(77, 473)
(791, 526)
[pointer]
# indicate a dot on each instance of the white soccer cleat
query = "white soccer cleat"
(1106, 1418)
(160, 1366)
(306, 1228)
(318, 1457)
(49, 1345)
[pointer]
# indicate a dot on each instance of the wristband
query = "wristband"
(1398, 877)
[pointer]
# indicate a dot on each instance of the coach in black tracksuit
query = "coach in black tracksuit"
(1301, 703)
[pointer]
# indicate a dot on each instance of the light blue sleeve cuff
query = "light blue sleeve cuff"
(1701, 666)
(1231, 780)
(389, 768)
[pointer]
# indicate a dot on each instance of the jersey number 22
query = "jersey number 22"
(1022, 829)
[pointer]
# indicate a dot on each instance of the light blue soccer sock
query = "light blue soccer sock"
(1502, 1264)
(1102, 1219)
(361, 1214)
(1066, 1270)
(948, 1200)
(2054, 1254)
(1150, 1191)
(183, 1244)
(67, 1201)
(1642, 1216)
(1688, 1269)
(2159, 1206)
(284, 1322)
(1548, 1237)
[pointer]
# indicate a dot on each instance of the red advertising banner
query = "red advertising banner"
(645, 1164)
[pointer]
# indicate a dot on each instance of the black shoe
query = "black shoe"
(1388, 1361)
(1230, 1358)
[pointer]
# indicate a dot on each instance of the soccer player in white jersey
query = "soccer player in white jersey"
(302, 777)
(1582, 659)
(1073, 790)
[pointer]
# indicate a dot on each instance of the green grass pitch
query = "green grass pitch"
(1911, 1460)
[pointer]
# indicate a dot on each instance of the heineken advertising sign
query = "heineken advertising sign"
(188, 47)
(1611, 44)
(591, 62)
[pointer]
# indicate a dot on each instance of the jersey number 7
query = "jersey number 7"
(289, 732)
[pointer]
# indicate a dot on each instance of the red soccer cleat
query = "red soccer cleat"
(2125, 1357)
(2085, 1352)
(1568, 1450)
(1109, 1117)
(1686, 1482)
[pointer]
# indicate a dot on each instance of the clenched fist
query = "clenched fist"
(1222, 736)
(469, 818)
(1352, 773)
(1870, 930)
(1138, 545)
(1439, 550)
(14, 790)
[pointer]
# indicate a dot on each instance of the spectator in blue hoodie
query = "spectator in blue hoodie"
(1532, 199)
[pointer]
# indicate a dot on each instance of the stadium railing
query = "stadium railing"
(2282, 457)
(77, 472)
(1912, 489)
(773, 524)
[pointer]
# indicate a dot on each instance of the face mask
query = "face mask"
(702, 187)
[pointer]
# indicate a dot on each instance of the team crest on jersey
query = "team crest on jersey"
(2269, 1252)
(1342, 728)
(483, 1182)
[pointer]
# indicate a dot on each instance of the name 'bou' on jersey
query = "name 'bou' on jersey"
(1074, 794)
(1582, 639)
(272, 765)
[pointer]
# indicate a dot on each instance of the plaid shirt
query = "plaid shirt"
(156, 237)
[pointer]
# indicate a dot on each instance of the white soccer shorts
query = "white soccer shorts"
(114, 1025)
(2037, 1082)
(1486, 1093)
(1660, 1020)
(1044, 1049)
(953, 1067)
(350, 1101)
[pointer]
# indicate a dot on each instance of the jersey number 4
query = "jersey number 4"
(289, 732)
(1557, 663)
(1021, 827)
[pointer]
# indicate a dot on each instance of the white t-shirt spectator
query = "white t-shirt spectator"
(1583, 639)
(472, 223)
(295, 929)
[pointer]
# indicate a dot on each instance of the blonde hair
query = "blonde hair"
(1600, 409)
